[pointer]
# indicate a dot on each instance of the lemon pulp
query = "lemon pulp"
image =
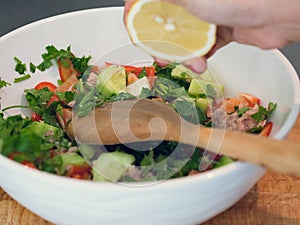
(168, 31)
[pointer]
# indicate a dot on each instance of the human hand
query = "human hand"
(263, 23)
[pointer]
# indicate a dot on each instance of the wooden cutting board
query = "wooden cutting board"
(274, 200)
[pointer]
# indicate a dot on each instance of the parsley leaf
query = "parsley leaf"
(264, 113)
(210, 91)
(19, 79)
(240, 112)
(80, 64)
(143, 73)
(20, 66)
(3, 83)
(52, 53)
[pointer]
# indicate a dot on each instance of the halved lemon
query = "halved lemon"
(168, 31)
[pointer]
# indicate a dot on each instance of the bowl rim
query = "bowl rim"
(59, 16)
(211, 174)
(294, 111)
(186, 180)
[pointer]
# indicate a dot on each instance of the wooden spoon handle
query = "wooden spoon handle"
(282, 156)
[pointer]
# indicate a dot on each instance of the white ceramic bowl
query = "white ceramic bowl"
(188, 200)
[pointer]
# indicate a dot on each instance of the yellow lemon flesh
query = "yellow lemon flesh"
(168, 31)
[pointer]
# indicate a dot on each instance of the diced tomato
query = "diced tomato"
(14, 154)
(53, 98)
(29, 164)
(265, 132)
(68, 85)
(193, 172)
(232, 103)
(79, 171)
(45, 84)
(66, 72)
(150, 70)
(36, 117)
(251, 98)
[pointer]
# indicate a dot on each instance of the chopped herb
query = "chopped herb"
(210, 91)
(19, 79)
(67, 96)
(189, 111)
(264, 113)
(81, 64)
(271, 107)
(46, 64)
(255, 129)
(143, 73)
(3, 83)
(32, 67)
(20, 66)
(240, 112)
(52, 53)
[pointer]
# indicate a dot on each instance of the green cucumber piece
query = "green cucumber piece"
(111, 166)
(209, 89)
(111, 80)
(182, 72)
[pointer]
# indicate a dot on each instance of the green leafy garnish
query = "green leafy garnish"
(240, 112)
(52, 54)
(20, 66)
(210, 91)
(19, 79)
(143, 73)
(81, 64)
(3, 83)
(25, 140)
(264, 113)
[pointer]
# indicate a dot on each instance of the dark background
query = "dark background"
(15, 13)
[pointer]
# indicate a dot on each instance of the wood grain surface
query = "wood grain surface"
(274, 200)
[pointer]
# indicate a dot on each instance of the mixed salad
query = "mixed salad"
(42, 141)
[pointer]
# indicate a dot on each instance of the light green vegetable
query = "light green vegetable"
(111, 80)
(111, 166)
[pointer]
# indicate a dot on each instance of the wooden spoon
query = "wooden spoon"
(147, 120)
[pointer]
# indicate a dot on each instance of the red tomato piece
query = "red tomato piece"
(14, 154)
(150, 70)
(29, 164)
(66, 72)
(79, 171)
(232, 103)
(36, 117)
(45, 84)
(251, 98)
(265, 132)
(53, 98)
